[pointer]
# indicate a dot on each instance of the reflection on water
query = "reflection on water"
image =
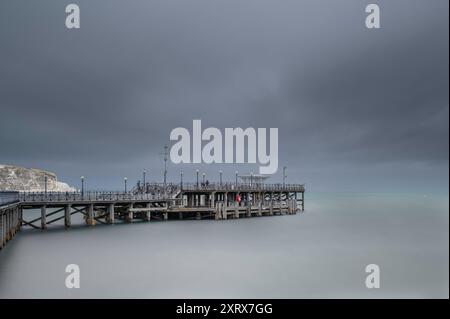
(321, 253)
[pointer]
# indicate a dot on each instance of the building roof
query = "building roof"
(253, 178)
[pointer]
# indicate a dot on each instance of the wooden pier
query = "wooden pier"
(157, 203)
(10, 216)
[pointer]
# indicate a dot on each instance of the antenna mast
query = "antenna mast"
(165, 163)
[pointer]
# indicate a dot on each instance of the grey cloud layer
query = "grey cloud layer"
(105, 97)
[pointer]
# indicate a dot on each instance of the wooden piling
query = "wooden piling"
(90, 221)
(111, 214)
(43, 217)
(67, 216)
(216, 202)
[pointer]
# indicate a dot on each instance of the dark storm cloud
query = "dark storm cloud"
(104, 98)
(384, 99)
(387, 101)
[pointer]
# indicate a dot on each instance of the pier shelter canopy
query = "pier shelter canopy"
(253, 179)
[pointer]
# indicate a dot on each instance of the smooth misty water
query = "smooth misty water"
(321, 253)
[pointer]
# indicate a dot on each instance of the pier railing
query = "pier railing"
(8, 197)
(154, 191)
(220, 187)
(83, 197)
(245, 187)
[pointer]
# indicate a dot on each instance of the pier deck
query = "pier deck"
(158, 202)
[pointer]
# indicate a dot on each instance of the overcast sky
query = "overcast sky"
(357, 109)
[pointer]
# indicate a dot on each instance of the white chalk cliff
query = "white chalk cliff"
(15, 178)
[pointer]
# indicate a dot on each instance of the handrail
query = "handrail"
(155, 191)
(84, 197)
(8, 197)
(244, 187)
(224, 186)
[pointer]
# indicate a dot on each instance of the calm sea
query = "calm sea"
(321, 253)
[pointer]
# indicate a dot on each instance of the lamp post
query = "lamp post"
(251, 179)
(284, 176)
(165, 164)
(220, 177)
(203, 178)
(181, 179)
(125, 183)
(143, 180)
(236, 176)
(197, 176)
(82, 186)
(45, 184)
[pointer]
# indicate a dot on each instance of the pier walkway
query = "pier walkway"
(217, 201)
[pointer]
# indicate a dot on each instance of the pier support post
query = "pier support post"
(303, 201)
(148, 214)
(90, 215)
(236, 212)
(43, 217)
(4, 228)
(217, 214)
(18, 221)
(224, 211)
(10, 224)
(6, 232)
(110, 216)
(213, 199)
(166, 215)
(20, 212)
(1, 230)
(7, 226)
(15, 219)
(14, 225)
(129, 215)
(67, 216)
(13, 222)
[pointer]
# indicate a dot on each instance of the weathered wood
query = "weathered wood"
(90, 220)
(43, 217)
(190, 203)
(67, 216)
